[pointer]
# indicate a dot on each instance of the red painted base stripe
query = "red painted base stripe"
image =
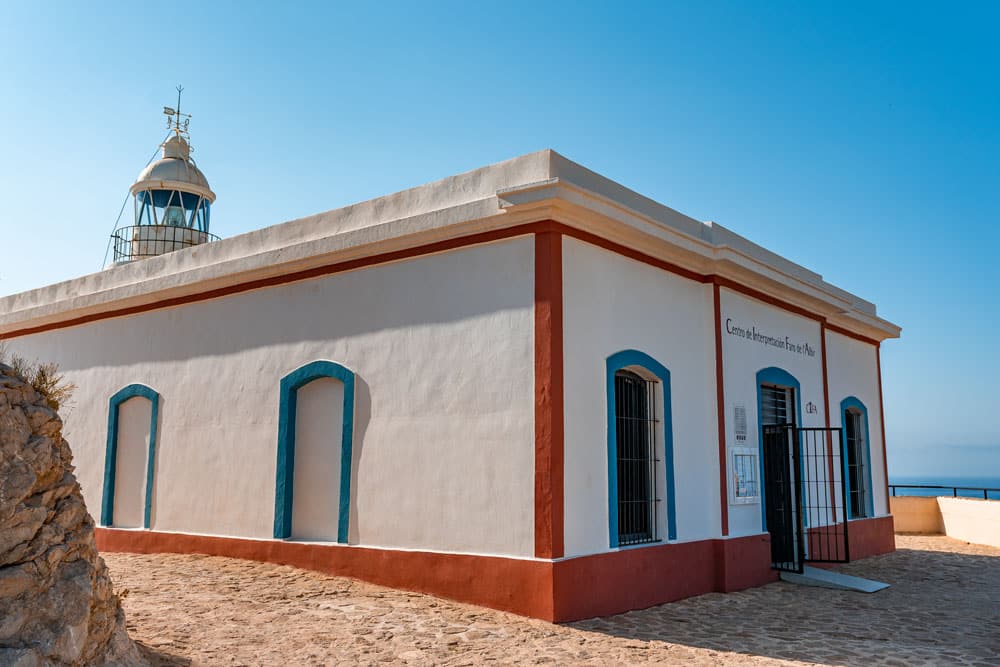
(871, 537)
(519, 586)
(867, 537)
(567, 590)
(619, 581)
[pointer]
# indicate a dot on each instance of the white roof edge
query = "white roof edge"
(723, 236)
(567, 170)
(464, 198)
(712, 242)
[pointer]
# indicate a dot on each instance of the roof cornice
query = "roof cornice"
(710, 250)
(533, 188)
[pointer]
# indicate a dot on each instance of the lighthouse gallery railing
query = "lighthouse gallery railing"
(139, 241)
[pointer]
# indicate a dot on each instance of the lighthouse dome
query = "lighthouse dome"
(174, 171)
(173, 202)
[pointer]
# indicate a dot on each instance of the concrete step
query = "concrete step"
(814, 576)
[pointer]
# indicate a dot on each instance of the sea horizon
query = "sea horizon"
(969, 481)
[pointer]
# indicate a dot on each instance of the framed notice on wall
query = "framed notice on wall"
(740, 422)
(744, 480)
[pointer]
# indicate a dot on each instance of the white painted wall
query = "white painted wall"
(130, 467)
(444, 438)
(971, 520)
(917, 514)
(316, 479)
(744, 357)
(611, 304)
(852, 370)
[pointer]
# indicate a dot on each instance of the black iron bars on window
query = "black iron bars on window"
(636, 424)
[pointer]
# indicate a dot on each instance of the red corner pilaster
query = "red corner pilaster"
(548, 395)
(720, 401)
(881, 409)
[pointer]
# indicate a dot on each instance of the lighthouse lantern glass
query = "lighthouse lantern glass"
(172, 208)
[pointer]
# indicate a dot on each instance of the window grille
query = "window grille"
(636, 423)
(776, 405)
(854, 434)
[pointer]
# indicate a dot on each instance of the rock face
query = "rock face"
(57, 606)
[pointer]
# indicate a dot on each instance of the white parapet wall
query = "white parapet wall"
(916, 514)
(968, 519)
(971, 520)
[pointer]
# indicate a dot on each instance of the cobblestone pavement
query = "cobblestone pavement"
(943, 608)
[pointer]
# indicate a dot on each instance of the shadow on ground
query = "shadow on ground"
(942, 608)
(160, 658)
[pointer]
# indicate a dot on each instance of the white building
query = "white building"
(525, 386)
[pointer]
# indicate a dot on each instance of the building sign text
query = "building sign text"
(753, 334)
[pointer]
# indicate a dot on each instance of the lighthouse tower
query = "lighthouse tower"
(172, 200)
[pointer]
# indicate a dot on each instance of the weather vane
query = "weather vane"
(177, 121)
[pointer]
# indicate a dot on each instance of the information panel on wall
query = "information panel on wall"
(744, 486)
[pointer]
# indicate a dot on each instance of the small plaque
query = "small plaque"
(740, 422)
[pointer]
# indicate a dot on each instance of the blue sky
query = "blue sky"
(859, 141)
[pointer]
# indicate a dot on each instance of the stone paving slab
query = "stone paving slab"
(943, 609)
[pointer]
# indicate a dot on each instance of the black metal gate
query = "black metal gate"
(782, 497)
(805, 496)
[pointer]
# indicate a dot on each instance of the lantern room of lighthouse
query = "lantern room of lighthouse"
(172, 200)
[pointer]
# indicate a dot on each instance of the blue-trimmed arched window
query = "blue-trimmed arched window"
(640, 450)
(857, 459)
(285, 483)
(111, 476)
(778, 402)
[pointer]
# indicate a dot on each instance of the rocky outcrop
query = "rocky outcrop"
(57, 606)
